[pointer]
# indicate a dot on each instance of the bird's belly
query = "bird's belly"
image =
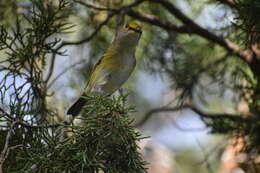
(113, 76)
(117, 79)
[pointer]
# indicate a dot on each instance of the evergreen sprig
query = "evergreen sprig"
(107, 143)
(248, 20)
(26, 48)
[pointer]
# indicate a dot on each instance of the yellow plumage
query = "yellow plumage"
(115, 66)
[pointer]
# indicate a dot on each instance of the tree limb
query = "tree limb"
(154, 20)
(229, 3)
(91, 36)
(232, 117)
(66, 43)
(188, 27)
(196, 29)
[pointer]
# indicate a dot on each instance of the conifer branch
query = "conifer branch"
(67, 43)
(5, 151)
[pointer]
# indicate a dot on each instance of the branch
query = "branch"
(192, 29)
(5, 151)
(6, 114)
(214, 63)
(55, 125)
(189, 26)
(229, 3)
(91, 36)
(66, 43)
(115, 10)
(25, 124)
(186, 129)
(196, 29)
(233, 117)
(154, 20)
(64, 71)
(97, 7)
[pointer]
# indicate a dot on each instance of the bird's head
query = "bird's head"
(133, 27)
(130, 33)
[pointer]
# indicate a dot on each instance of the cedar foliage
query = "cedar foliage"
(108, 141)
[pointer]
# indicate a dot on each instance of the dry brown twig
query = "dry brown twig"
(5, 152)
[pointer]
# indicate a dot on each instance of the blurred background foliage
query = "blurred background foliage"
(173, 68)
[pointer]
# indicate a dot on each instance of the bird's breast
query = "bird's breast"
(126, 66)
(120, 74)
(114, 69)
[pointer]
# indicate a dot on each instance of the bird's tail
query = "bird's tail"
(75, 109)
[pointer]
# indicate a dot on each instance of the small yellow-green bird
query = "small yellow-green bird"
(115, 66)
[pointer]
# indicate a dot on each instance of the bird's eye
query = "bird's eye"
(127, 26)
(133, 27)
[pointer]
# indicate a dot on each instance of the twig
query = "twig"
(215, 63)
(112, 11)
(5, 152)
(209, 67)
(96, 7)
(188, 27)
(177, 126)
(25, 124)
(230, 3)
(66, 43)
(196, 29)
(154, 20)
(202, 114)
(63, 72)
(115, 10)
(6, 114)
(91, 36)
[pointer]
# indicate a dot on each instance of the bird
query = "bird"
(114, 67)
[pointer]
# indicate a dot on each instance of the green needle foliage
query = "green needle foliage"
(248, 20)
(106, 143)
(198, 64)
(26, 49)
(200, 73)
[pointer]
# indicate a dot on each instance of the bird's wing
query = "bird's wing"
(99, 77)
(76, 107)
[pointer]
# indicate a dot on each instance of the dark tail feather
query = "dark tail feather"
(76, 107)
